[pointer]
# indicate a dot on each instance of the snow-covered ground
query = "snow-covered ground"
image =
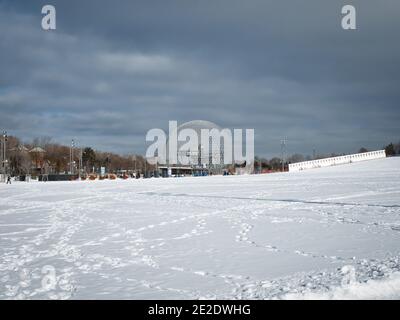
(324, 233)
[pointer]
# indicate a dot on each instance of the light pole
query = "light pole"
(80, 163)
(4, 159)
(134, 164)
(1, 158)
(71, 157)
(283, 147)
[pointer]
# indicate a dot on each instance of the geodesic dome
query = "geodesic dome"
(198, 157)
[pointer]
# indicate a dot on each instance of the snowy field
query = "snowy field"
(331, 233)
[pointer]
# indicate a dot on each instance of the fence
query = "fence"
(327, 162)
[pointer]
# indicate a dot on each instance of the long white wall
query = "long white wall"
(337, 160)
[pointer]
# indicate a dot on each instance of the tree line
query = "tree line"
(41, 155)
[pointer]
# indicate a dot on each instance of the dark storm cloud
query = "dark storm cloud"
(113, 70)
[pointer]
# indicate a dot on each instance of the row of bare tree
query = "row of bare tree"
(44, 156)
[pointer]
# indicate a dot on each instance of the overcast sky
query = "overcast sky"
(115, 69)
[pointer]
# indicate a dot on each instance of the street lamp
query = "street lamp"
(283, 149)
(80, 163)
(4, 159)
(71, 157)
(134, 164)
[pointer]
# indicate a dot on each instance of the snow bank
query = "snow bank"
(386, 289)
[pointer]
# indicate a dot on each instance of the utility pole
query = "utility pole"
(80, 163)
(283, 150)
(71, 157)
(1, 163)
(134, 164)
(1, 159)
(4, 162)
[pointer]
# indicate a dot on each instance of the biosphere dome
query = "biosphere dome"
(197, 157)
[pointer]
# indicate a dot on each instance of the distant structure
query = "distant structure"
(201, 161)
(37, 155)
(327, 162)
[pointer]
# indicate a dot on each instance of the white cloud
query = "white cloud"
(135, 62)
